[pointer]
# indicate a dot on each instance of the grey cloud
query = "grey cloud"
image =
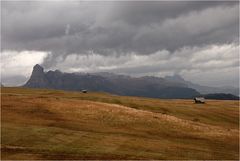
(146, 13)
(16, 80)
(108, 27)
(115, 29)
(198, 58)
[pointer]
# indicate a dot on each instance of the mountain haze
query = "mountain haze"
(107, 82)
(203, 89)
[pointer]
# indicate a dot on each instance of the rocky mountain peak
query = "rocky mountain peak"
(38, 78)
(37, 69)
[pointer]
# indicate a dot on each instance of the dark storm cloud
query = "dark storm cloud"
(144, 12)
(136, 38)
(115, 28)
(121, 27)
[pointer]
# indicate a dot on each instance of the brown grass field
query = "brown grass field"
(53, 124)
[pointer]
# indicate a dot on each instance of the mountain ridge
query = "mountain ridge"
(147, 86)
(203, 89)
(118, 84)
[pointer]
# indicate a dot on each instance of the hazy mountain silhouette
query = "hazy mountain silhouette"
(203, 89)
(107, 82)
(221, 96)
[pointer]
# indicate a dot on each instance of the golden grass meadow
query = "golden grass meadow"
(53, 124)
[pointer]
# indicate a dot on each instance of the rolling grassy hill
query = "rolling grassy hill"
(51, 124)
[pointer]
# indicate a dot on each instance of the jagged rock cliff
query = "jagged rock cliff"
(38, 78)
(117, 84)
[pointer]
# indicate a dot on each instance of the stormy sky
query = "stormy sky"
(197, 39)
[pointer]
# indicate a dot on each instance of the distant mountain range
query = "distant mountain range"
(148, 86)
(117, 84)
(203, 89)
(221, 96)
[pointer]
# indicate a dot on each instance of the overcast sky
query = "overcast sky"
(198, 40)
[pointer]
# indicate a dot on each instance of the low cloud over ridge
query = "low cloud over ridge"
(136, 38)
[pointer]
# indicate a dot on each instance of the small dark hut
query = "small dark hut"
(84, 91)
(199, 100)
